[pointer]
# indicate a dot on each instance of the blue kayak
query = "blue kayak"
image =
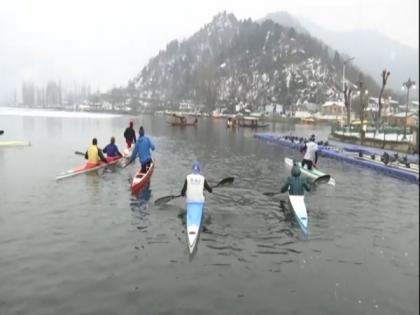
(195, 215)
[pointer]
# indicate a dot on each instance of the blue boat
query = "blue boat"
(195, 215)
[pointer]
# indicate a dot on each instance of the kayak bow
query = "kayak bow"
(194, 221)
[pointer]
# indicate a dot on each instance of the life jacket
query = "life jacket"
(93, 155)
(195, 188)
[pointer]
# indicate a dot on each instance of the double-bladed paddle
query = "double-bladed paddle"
(162, 200)
(79, 153)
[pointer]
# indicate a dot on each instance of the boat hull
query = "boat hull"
(14, 144)
(85, 168)
(297, 204)
(315, 174)
(194, 221)
(141, 179)
(183, 124)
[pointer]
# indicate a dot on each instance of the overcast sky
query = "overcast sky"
(106, 43)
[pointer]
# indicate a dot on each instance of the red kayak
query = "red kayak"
(87, 167)
(141, 179)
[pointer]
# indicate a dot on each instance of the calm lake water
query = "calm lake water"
(84, 245)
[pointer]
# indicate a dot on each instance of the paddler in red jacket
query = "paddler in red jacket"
(130, 135)
(94, 154)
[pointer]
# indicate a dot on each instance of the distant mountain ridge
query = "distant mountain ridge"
(372, 50)
(228, 62)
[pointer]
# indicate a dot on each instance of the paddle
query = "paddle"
(162, 200)
(79, 153)
(271, 193)
(1, 132)
(126, 164)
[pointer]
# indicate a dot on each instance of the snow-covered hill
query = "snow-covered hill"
(230, 61)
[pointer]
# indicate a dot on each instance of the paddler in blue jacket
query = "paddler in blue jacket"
(94, 154)
(295, 184)
(142, 150)
(111, 150)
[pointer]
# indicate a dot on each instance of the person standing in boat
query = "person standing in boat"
(142, 150)
(130, 135)
(194, 185)
(311, 153)
(94, 154)
(112, 151)
(295, 184)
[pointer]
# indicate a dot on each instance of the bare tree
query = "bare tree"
(362, 91)
(385, 75)
(347, 102)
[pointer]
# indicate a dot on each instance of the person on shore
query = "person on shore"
(295, 184)
(310, 150)
(112, 151)
(94, 154)
(142, 150)
(130, 135)
(194, 185)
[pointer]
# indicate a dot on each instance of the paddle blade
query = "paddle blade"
(165, 199)
(224, 181)
(270, 194)
(1, 132)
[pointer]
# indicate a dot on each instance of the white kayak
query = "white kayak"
(314, 173)
(297, 204)
(194, 221)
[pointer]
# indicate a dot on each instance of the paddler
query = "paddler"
(194, 185)
(94, 154)
(130, 135)
(311, 153)
(295, 185)
(142, 150)
(112, 151)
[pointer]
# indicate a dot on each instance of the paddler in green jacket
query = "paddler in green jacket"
(295, 184)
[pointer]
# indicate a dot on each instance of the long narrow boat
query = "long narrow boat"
(297, 204)
(14, 143)
(186, 124)
(141, 179)
(314, 174)
(414, 168)
(194, 221)
(85, 168)
(336, 152)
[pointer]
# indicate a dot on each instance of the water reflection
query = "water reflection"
(139, 204)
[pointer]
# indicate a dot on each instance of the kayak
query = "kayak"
(85, 168)
(179, 124)
(141, 179)
(314, 173)
(194, 220)
(14, 144)
(297, 204)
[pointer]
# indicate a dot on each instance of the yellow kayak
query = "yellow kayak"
(14, 143)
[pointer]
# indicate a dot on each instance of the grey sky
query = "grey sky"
(107, 42)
